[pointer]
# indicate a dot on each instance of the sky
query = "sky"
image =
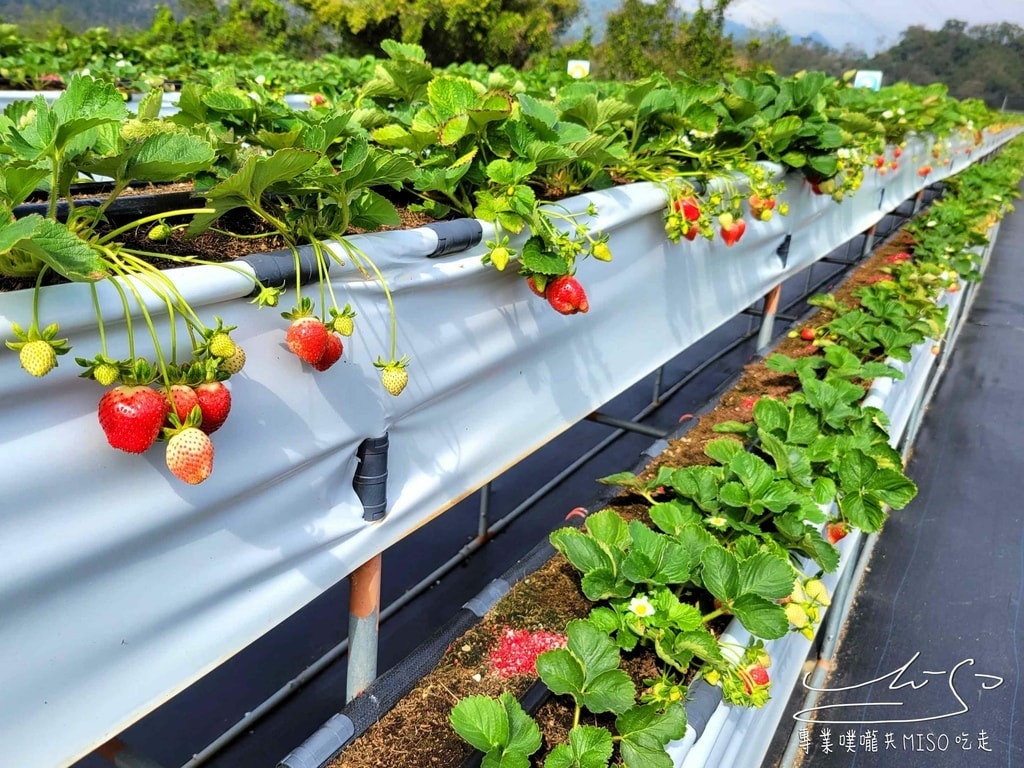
(867, 24)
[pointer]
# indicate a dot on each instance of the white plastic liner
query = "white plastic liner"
(122, 585)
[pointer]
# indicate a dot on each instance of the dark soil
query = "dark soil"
(416, 732)
(236, 234)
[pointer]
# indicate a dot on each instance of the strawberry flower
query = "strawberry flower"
(641, 606)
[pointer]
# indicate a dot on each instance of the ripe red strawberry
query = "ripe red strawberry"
(895, 258)
(215, 403)
(897, 151)
(836, 531)
(132, 417)
(732, 229)
(182, 399)
(687, 206)
(307, 334)
(761, 207)
(758, 675)
(332, 353)
(190, 455)
(566, 295)
(755, 675)
(307, 338)
(924, 170)
(879, 161)
(691, 232)
(807, 334)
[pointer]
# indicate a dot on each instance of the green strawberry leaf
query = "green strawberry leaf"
(372, 210)
(168, 157)
(720, 573)
(724, 449)
(53, 244)
(672, 516)
(766, 575)
(537, 259)
(761, 617)
(771, 415)
(482, 722)
(588, 747)
(588, 670)
(644, 732)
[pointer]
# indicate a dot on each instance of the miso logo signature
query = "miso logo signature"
(903, 706)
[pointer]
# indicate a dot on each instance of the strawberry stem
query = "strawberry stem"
(146, 219)
(99, 319)
(713, 615)
(352, 252)
(35, 295)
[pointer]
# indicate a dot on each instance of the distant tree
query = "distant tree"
(488, 31)
(645, 37)
(640, 38)
(772, 48)
(250, 25)
(707, 50)
(985, 61)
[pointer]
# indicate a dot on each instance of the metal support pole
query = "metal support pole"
(363, 623)
(869, 241)
(485, 511)
(918, 200)
(659, 378)
(120, 754)
(771, 305)
(629, 426)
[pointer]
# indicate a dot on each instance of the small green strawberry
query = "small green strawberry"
(499, 257)
(217, 341)
(221, 345)
(601, 251)
(160, 232)
(37, 350)
(101, 369)
(393, 375)
(37, 357)
(343, 323)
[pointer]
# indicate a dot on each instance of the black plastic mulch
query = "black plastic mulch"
(937, 623)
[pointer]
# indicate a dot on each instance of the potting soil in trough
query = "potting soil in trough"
(928, 671)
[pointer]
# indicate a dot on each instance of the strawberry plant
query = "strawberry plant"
(587, 672)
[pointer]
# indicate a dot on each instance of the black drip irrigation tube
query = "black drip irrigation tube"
(124, 209)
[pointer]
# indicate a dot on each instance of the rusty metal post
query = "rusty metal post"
(771, 306)
(121, 755)
(869, 241)
(363, 626)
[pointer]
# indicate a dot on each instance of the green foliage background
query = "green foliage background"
(983, 61)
